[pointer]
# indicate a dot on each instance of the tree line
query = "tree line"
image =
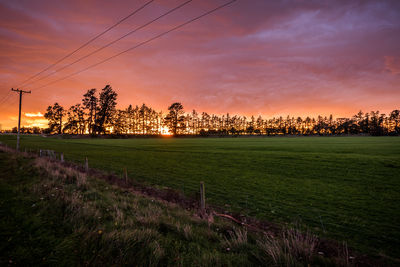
(97, 114)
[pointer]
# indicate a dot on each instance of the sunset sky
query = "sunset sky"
(257, 57)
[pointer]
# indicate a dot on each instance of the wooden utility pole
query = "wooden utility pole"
(19, 116)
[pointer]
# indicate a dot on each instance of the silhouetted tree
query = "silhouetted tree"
(374, 125)
(90, 102)
(99, 115)
(120, 125)
(174, 117)
(395, 119)
(54, 114)
(107, 103)
(75, 120)
(143, 114)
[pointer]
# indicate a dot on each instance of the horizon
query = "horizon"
(31, 119)
(270, 59)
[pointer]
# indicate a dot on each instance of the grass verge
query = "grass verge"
(53, 214)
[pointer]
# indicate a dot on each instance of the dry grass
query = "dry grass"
(150, 216)
(236, 240)
(289, 248)
(65, 174)
(187, 231)
(119, 215)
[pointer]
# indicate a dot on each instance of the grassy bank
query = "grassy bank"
(346, 188)
(55, 215)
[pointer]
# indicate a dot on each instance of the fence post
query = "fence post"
(40, 153)
(322, 224)
(126, 175)
(202, 197)
(86, 164)
(62, 157)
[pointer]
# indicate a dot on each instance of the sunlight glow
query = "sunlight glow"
(165, 131)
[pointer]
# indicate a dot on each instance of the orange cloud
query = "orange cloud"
(41, 123)
(37, 114)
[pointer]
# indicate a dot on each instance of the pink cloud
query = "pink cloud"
(254, 57)
(392, 64)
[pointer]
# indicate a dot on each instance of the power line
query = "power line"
(88, 42)
(113, 42)
(11, 102)
(5, 98)
(140, 44)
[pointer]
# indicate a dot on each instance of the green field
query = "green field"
(346, 188)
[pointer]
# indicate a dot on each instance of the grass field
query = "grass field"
(54, 214)
(347, 188)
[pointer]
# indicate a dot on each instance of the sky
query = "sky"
(253, 57)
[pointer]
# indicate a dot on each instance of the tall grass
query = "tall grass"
(291, 247)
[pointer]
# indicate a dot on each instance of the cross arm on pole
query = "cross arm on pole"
(20, 91)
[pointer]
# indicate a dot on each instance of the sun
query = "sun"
(165, 131)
